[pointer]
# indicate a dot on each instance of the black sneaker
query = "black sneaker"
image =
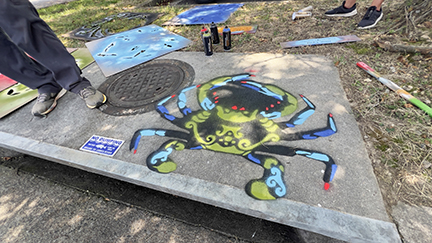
(341, 11)
(371, 18)
(45, 103)
(92, 97)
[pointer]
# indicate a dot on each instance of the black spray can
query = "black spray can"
(203, 30)
(214, 33)
(227, 38)
(208, 48)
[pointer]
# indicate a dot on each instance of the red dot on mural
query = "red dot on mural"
(199, 85)
(301, 96)
(135, 151)
(271, 105)
(216, 101)
(243, 82)
(242, 109)
(266, 108)
(326, 186)
(330, 115)
(214, 93)
(172, 96)
(234, 107)
(217, 97)
(278, 102)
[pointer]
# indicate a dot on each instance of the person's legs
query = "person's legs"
(349, 3)
(377, 4)
(20, 20)
(21, 30)
(15, 64)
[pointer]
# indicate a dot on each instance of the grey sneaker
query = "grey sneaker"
(341, 11)
(45, 103)
(92, 97)
(371, 18)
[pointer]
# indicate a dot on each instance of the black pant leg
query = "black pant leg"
(15, 64)
(20, 20)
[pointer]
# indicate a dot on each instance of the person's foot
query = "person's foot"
(371, 18)
(92, 97)
(341, 11)
(46, 102)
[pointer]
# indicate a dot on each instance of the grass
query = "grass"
(400, 134)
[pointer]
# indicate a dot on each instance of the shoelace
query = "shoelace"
(42, 98)
(86, 93)
(369, 12)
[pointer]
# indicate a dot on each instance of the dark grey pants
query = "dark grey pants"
(21, 30)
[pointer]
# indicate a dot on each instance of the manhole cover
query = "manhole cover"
(138, 89)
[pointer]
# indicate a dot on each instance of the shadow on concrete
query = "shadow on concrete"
(181, 209)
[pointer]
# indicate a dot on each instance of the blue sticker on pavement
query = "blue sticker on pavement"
(102, 145)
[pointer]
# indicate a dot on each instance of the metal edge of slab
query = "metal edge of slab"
(338, 225)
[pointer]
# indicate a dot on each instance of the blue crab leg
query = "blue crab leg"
(261, 89)
(163, 111)
(329, 130)
(154, 132)
(330, 169)
(159, 160)
(182, 100)
(271, 185)
(301, 116)
(236, 78)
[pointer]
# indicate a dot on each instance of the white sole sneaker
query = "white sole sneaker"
(371, 26)
(352, 13)
(54, 104)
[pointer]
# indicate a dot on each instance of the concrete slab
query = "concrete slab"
(351, 210)
(414, 222)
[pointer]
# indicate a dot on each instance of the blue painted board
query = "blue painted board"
(205, 14)
(320, 41)
(118, 52)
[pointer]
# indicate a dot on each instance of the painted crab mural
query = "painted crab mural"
(237, 117)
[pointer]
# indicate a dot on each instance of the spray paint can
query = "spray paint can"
(208, 48)
(226, 38)
(203, 30)
(214, 33)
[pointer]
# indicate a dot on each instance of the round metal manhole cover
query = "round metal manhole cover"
(137, 90)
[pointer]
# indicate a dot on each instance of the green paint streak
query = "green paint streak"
(421, 105)
(166, 167)
(270, 162)
(260, 190)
